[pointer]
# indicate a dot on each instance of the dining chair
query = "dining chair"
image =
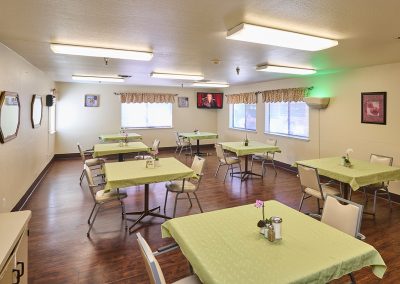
(153, 267)
(266, 158)
(380, 188)
(92, 163)
(153, 151)
(182, 143)
(343, 215)
(101, 196)
(312, 187)
(188, 186)
(225, 160)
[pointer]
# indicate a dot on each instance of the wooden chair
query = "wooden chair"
(225, 160)
(189, 186)
(266, 158)
(153, 267)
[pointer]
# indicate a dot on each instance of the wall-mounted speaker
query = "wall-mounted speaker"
(50, 100)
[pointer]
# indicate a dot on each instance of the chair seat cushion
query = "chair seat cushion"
(176, 186)
(325, 189)
(94, 162)
(193, 279)
(103, 196)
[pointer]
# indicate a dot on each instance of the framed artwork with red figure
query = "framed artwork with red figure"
(373, 108)
(210, 100)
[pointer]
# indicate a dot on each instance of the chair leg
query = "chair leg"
(180, 152)
(319, 207)
(94, 218)
(273, 164)
(263, 169)
(374, 205)
(190, 200)
(198, 202)
(176, 200)
(251, 164)
(124, 214)
(165, 201)
(216, 173)
(389, 198)
(227, 170)
(91, 213)
(301, 202)
(82, 175)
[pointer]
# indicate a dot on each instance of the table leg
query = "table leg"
(198, 153)
(120, 157)
(146, 211)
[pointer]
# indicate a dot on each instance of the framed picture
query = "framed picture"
(373, 108)
(183, 102)
(92, 100)
(11, 101)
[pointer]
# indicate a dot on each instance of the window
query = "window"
(289, 118)
(146, 115)
(242, 116)
(52, 117)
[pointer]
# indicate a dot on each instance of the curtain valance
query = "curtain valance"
(146, 98)
(285, 95)
(244, 98)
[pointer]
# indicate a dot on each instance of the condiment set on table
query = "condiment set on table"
(271, 228)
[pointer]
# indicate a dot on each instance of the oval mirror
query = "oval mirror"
(9, 116)
(36, 111)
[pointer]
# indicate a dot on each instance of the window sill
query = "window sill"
(147, 128)
(242, 129)
(289, 136)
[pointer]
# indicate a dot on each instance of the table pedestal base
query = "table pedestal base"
(244, 175)
(146, 211)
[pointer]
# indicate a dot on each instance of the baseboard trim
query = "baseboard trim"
(21, 203)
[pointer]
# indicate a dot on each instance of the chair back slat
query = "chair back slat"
(198, 165)
(81, 153)
(379, 159)
(153, 268)
(309, 177)
(344, 217)
(156, 145)
(177, 138)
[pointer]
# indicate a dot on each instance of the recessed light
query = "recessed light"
(270, 36)
(177, 76)
(285, 69)
(100, 52)
(211, 84)
(97, 78)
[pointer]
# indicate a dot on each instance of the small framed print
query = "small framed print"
(373, 108)
(92, 100)
(183, 102)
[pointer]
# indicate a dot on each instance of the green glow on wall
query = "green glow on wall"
(319, 92)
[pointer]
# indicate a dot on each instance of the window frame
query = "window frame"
(267, 131)
(231, 118)
(149, 127)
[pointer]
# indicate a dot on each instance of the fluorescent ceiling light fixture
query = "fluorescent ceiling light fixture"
(270, 36)
(286, 70)
(211, 84)
(97, 78)
(177, 76)
(100, 52)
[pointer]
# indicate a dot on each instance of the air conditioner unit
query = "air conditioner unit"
(317, 103)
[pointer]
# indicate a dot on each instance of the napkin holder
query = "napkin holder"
(150, 164)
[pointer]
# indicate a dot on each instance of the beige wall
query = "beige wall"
(76, 123)
(338, 127)
(23, 158)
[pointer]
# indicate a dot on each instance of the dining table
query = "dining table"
(115, 137)
(132, 173)
(100, 150)
(253, 147)
(225, 246)
(351, 178)
(197, 135)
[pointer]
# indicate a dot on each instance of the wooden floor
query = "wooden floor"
(60, 252)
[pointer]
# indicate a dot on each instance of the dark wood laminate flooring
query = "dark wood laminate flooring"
(60, 252)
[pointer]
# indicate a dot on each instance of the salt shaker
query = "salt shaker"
(277, 224)
(270, 233)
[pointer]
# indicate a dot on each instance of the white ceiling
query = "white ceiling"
(185, 35)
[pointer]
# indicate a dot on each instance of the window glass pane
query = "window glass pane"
(298, 119)
(137, 115)
(239, 115)
(251, 115)
(278, 118)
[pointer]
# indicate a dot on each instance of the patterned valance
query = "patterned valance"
(244, 98)
(146, 98)
(285, 95)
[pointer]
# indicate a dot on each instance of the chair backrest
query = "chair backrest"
(177, 138)
(309, 178)
(81, 153)
(156, 144)
(379, 159)
(198, 165)
(153, 268)
(344, 217)
(271, 142)
(89, 176)
(220, 151)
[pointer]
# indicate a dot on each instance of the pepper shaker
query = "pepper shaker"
(270, 233)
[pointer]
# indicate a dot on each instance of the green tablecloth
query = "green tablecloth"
(252, 148)
(125, 174)
(360, 174)
(199, 135)
(225, 246)
(114, 148)
(119, 136)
